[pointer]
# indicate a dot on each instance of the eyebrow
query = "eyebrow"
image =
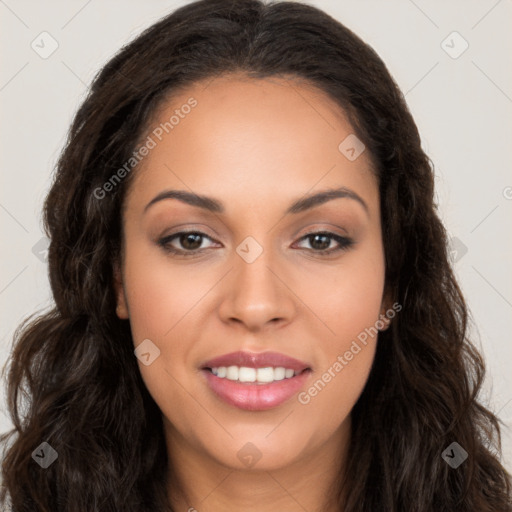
(302, 204)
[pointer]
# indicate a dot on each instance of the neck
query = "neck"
(202, 484)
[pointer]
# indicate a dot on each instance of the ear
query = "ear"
(122, 305)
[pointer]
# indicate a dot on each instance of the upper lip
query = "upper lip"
(256, 360)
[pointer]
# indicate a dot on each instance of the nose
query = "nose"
(257, 294)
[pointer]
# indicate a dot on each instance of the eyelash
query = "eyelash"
(344, 243)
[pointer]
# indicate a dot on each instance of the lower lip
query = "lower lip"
(255, 397)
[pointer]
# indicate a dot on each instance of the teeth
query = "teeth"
(265, 374)
(279, 373)
(246, 374)
(258, 375)
(232, 372)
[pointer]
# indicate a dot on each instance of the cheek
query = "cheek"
(163, 300)
(347, 298)
(333, 392)
(159, 299)
(348, 302)
(158, 294)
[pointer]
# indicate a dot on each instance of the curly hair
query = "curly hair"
(72, 378)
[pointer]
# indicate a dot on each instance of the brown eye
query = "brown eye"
(184, 242)
(190, 241)
(320, 242)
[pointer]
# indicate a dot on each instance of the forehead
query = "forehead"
(246, 135)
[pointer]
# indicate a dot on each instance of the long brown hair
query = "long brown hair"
(73, 381)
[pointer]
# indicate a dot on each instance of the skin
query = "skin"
(256, 146)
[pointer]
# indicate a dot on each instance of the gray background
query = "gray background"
(462, 107)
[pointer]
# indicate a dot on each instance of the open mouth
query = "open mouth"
(255, 381)
(258, 376)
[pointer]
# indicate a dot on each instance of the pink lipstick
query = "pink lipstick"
(255, 381)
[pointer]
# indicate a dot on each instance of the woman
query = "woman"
(254, 308)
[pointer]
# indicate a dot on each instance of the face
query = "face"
(275, 280)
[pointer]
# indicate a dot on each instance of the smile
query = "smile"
(255, 382)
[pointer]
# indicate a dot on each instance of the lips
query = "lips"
(253, 396)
